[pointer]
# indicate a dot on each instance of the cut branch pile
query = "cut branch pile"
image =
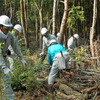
(75, 85)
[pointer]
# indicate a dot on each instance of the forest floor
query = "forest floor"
(82, 83)
(76, 85)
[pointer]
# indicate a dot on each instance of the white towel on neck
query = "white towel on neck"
(3, 35)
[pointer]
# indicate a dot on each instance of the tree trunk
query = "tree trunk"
(54, 17)
(92, 29)
(36, 27)
(64, 20)
(11, 10)
(23, 24)
(41, 19)
(26, 16)
(47, 19)
(98, 19)
(47, 14)
(14, 12)
(6, 7)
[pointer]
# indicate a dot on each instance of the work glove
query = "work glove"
(12, 53)
(24, 63)
(7, 70)
(41, 54)
(70, 50)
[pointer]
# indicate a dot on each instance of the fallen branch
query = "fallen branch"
(94, 98)
(61, 96)
(68, 89)
(88, 90)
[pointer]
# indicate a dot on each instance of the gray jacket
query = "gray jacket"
(5, 42)
(46, 41)
(10, 47)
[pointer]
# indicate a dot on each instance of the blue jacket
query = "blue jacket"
(53, 50)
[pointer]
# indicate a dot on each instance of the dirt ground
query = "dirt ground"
(76, 85)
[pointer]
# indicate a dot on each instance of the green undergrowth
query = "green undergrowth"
(25, 78)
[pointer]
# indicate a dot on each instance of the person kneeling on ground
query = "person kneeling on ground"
(72, 42)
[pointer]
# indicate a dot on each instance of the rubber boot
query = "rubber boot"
(50, 88)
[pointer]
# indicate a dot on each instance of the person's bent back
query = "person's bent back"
(58, 57)
(53, 50)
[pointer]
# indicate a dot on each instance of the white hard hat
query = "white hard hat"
(53, 42)
(76, 36)
(5, 21)
(58, 34)
(18, 28)
(44, 31)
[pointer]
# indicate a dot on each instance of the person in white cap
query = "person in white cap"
(6, 39)
(58, 35)
(16, 31)
(46, 39)
(58, 58)
(71, 42)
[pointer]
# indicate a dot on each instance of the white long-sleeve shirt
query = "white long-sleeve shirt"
(5, 42)
(71, 43)
(46, 41)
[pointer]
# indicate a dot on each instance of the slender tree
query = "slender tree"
(23, 24)
(64, 20)
(6, 7)
(14, 12)
(26, 15)
(40, 15)
(92, 29)
(54, 17)
(11, 9)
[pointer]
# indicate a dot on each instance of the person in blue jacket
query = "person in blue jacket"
(58, 58)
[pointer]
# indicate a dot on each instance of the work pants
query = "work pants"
(11, 61)
(7, 83)
(55, 68)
